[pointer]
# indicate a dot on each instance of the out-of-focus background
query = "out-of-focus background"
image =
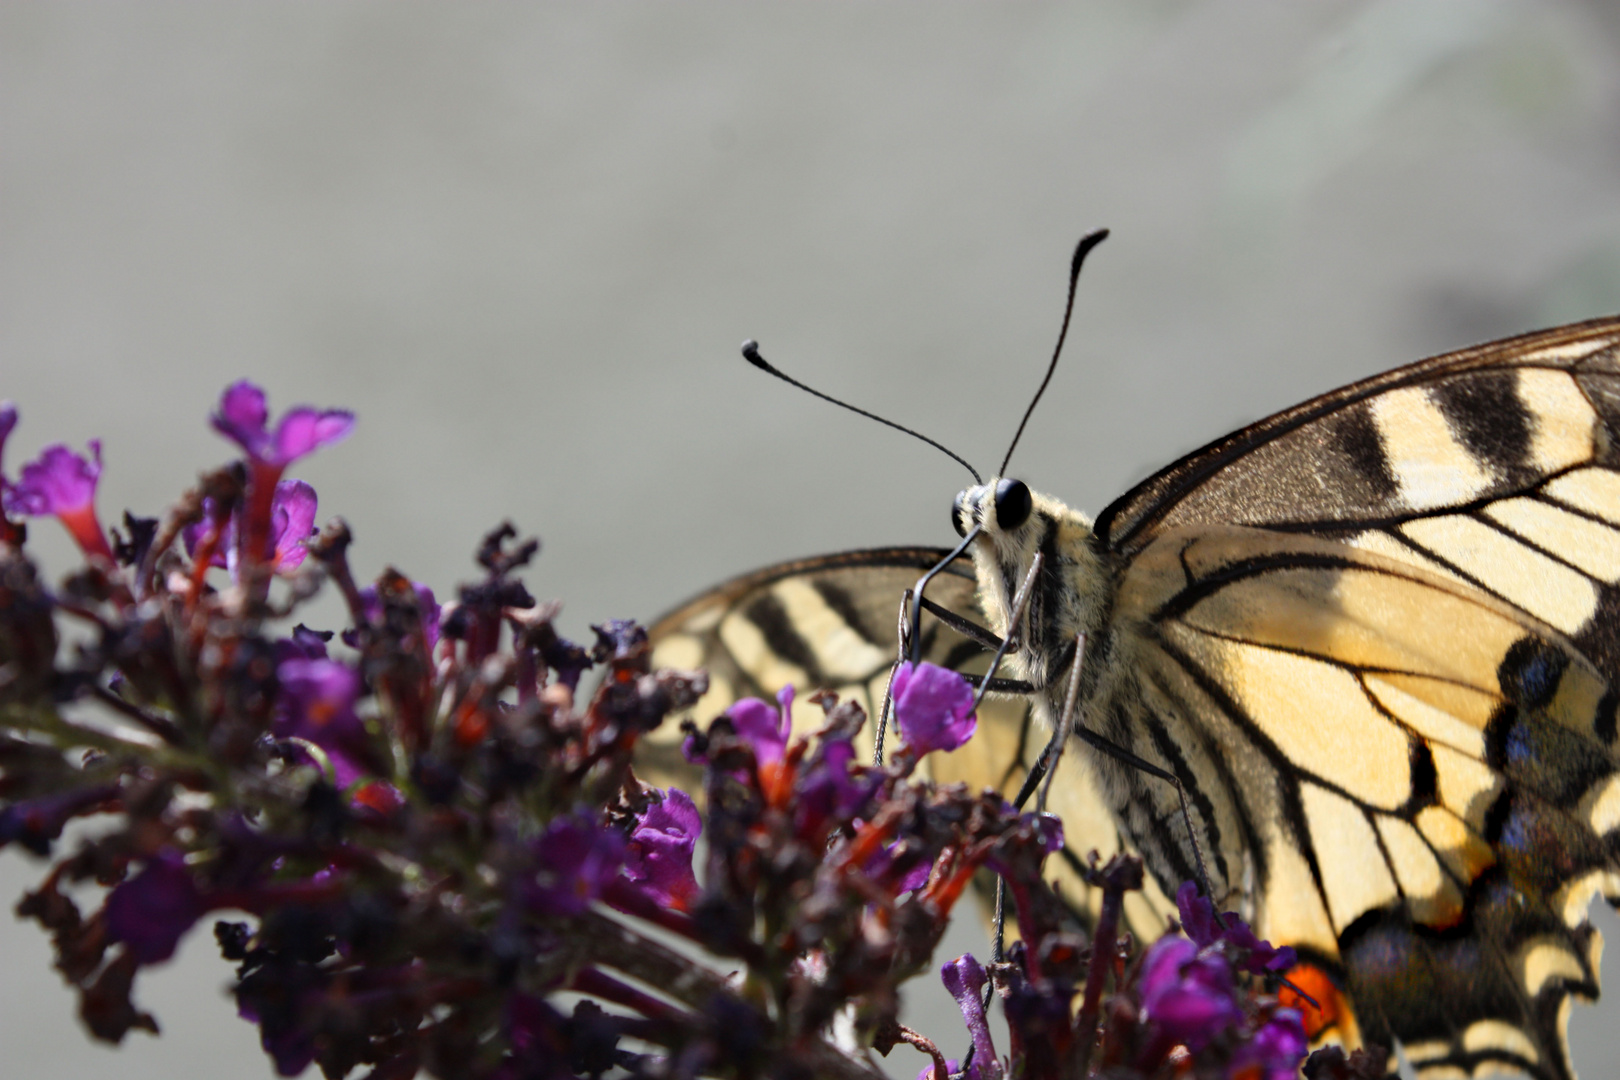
(524, 242)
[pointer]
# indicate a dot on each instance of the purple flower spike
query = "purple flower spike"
(1204, 926)
(152, 911)
(317, 704)
(933, 706)
(62, 483)
(659, 859)
(243, 417)
(964, 980)
(1191, 997)
(575, 858)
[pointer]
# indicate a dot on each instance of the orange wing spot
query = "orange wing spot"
(1331, 1007)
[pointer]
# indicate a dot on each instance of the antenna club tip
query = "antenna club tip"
(750, 352)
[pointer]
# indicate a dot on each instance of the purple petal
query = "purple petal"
(575, 857)
(1191, 998)
(57, 482)
(304, 430)
(151, 912)
(1197, 914)
(292, 521)
(1277, 1048)
(761, 726)
(659, 858)
(317, 704)
(933, 707)
(964, 980)
(242, 416)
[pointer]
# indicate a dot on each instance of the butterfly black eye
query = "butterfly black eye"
(1013, 503)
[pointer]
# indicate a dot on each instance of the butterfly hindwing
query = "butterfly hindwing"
(1410, 775)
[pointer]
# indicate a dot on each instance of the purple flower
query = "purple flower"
(1201, 923)
(1190, 997)
(152, 911)
(304, 644)
(285, 998)
(292, 521)
(881, 866)
(1276, 1049)
(317, 704)
(243, 417)
(58, 482)
(62, 483)
(933, 707)
(8, 420)
(964, 980)
(575, 857)
(659, 858)
(34, 823)
(762, 727)
(828, 789)
(372, 604)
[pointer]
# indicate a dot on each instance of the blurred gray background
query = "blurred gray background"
(524, 242)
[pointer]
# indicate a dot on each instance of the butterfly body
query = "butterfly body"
(1376, 638)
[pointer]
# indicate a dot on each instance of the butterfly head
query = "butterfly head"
(1015, 524)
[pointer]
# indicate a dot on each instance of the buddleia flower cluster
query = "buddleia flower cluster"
(418, 839)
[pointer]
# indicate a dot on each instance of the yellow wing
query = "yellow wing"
(1415, 780)
(1378, 635)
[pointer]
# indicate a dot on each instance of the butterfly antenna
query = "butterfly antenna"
(1081, 250)
(750, 351)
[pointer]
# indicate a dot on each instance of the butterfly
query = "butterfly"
(1376, 640)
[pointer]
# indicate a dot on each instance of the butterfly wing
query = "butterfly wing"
(1377, 636)
(832, 623)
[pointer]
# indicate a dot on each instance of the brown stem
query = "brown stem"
(1116, 878)
(926, 1045)
(157, 725)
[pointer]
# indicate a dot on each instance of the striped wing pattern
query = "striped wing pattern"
(1378, 634)
(831, 623)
